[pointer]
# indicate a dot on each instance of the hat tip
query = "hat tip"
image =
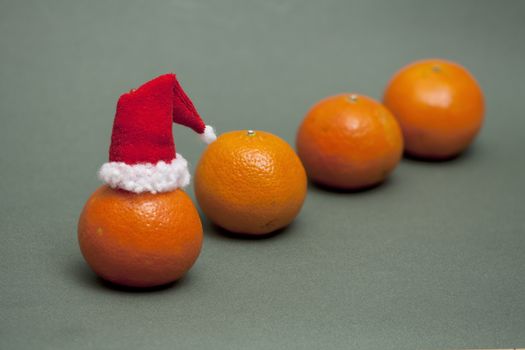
(208, 136)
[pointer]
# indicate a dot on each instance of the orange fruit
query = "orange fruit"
(349, 141)
(139, 240)
(250, 182)
(439, 106)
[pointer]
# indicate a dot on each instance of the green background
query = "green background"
(432, 259)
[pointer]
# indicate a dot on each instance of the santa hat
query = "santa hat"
(142, 155)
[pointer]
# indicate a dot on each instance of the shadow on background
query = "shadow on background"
(362, 190)
(81, 273)
(470, 153)
(210, 229)
(372, 189)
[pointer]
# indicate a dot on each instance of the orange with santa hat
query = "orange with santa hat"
(141, 229)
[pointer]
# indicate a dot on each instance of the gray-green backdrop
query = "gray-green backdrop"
(432, 259)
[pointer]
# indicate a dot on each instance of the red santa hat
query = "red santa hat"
(142, 155)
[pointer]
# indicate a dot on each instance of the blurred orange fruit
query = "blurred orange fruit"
(250, 182)
(439, 106)
(139, 240)
(349, 141)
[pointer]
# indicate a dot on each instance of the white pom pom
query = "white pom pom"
(208, 135)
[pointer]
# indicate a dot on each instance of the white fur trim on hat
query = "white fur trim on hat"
(146, 177)
(208, 135)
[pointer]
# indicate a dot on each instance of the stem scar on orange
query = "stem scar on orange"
(139, 240)
(439, 106)
(349, 141)
(250, 182)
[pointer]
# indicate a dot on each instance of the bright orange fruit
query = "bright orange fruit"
(439, 106)
(250, 182)
(349, 141)
(139, 240)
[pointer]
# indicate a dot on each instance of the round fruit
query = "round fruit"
(250, 182)
(439, 106)
(349, 142)
(139, 240)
